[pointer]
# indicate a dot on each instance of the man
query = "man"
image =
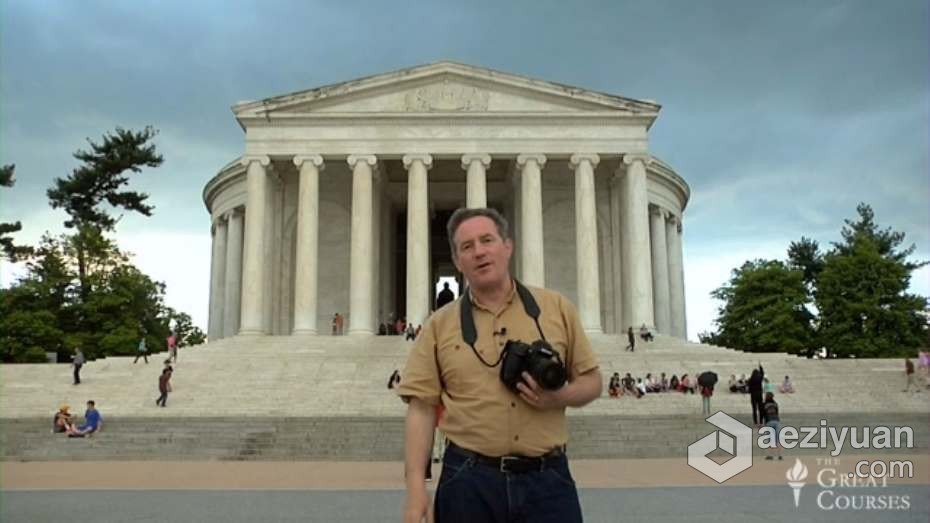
(909, 376)
(141, 351)
(506, 449)
(445, 296)
(78, 362)
(755, 394)
(92, 422)
(164, 386)
(172, 342)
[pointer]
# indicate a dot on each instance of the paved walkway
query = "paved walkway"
(654, 490)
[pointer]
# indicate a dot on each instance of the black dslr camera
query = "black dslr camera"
(539, 359)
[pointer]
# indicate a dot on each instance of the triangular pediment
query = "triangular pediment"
(444, 87)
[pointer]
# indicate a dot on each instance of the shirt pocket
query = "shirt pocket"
(462, 373)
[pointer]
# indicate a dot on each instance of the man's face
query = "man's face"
(481, 254)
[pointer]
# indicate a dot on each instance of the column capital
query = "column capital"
(263, 159)
(673, 219)
(315, 159)
(425, 159)
(230, 214)
(370, 159)
(468, 159)
(578, 158)
(658, 211)
(628, 159)
(538, 159)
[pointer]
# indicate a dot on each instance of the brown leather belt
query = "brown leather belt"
(512, 464)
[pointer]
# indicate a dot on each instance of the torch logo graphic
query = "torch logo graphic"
(796, 476)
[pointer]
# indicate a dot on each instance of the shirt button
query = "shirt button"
(516, 438)
(513, 404)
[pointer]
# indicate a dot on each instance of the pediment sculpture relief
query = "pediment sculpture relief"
(447, 96)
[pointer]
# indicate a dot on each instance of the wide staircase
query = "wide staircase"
(325, 398)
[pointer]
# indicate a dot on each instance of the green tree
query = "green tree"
(763, 310)
(188, 334)
(34, 312)
(100, 180)
(865, 310)
(12, 251)
(805, 255)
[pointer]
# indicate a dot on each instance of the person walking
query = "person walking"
(77, 362)
(755, 394)
(164, 386)
(505, 457)
(172, 342)
(632, 339)
(909, 376)
(141, 351)
(772, 420)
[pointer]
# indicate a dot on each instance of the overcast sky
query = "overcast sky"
(781, 116)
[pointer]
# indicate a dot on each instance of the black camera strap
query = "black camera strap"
(467, 320)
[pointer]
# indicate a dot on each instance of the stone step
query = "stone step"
(377, 439)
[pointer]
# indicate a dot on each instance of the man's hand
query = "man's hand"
(576, 393)
(539, 397)
(417, 506)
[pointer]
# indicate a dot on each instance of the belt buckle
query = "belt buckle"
(508, 459)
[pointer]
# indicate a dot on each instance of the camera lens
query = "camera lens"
(550, 374)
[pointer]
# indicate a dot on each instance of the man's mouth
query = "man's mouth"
(483, 266)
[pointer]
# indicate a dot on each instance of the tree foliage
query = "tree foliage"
(12, 251)
(858, 290)
(99, 180)
(865, 309)
(80, 290)
(764, 309)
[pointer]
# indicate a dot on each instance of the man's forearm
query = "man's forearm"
(420, 421)
(584, 389)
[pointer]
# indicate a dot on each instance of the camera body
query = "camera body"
(539, 359)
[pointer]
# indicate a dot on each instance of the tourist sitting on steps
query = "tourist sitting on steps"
(733, 383)
(645, 334)
(613, 388)
(629, 385)
(63, 421)
(93, 423)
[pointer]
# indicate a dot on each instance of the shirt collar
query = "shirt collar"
(507, 302)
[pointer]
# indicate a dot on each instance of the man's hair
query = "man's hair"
(91, 403)
(461, 214)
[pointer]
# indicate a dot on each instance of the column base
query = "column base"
(304, 332)
(252, 332)
(361, 332)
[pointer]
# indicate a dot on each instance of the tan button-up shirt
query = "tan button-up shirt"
(481, 413)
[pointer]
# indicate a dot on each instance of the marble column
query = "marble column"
(375, 291)
(308, 233)
(532, 263)
(418, 269)
(360, 267)
(586, 252)
(618, 288)
(660, 274)
(676, 278)
(253, 264)
(217, 280)
(233, 290)
(271, 254)
(476, 187)
(635, 242)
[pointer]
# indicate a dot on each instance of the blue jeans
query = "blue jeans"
(472, 492)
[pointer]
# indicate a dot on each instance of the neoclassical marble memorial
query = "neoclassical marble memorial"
(340, 199)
